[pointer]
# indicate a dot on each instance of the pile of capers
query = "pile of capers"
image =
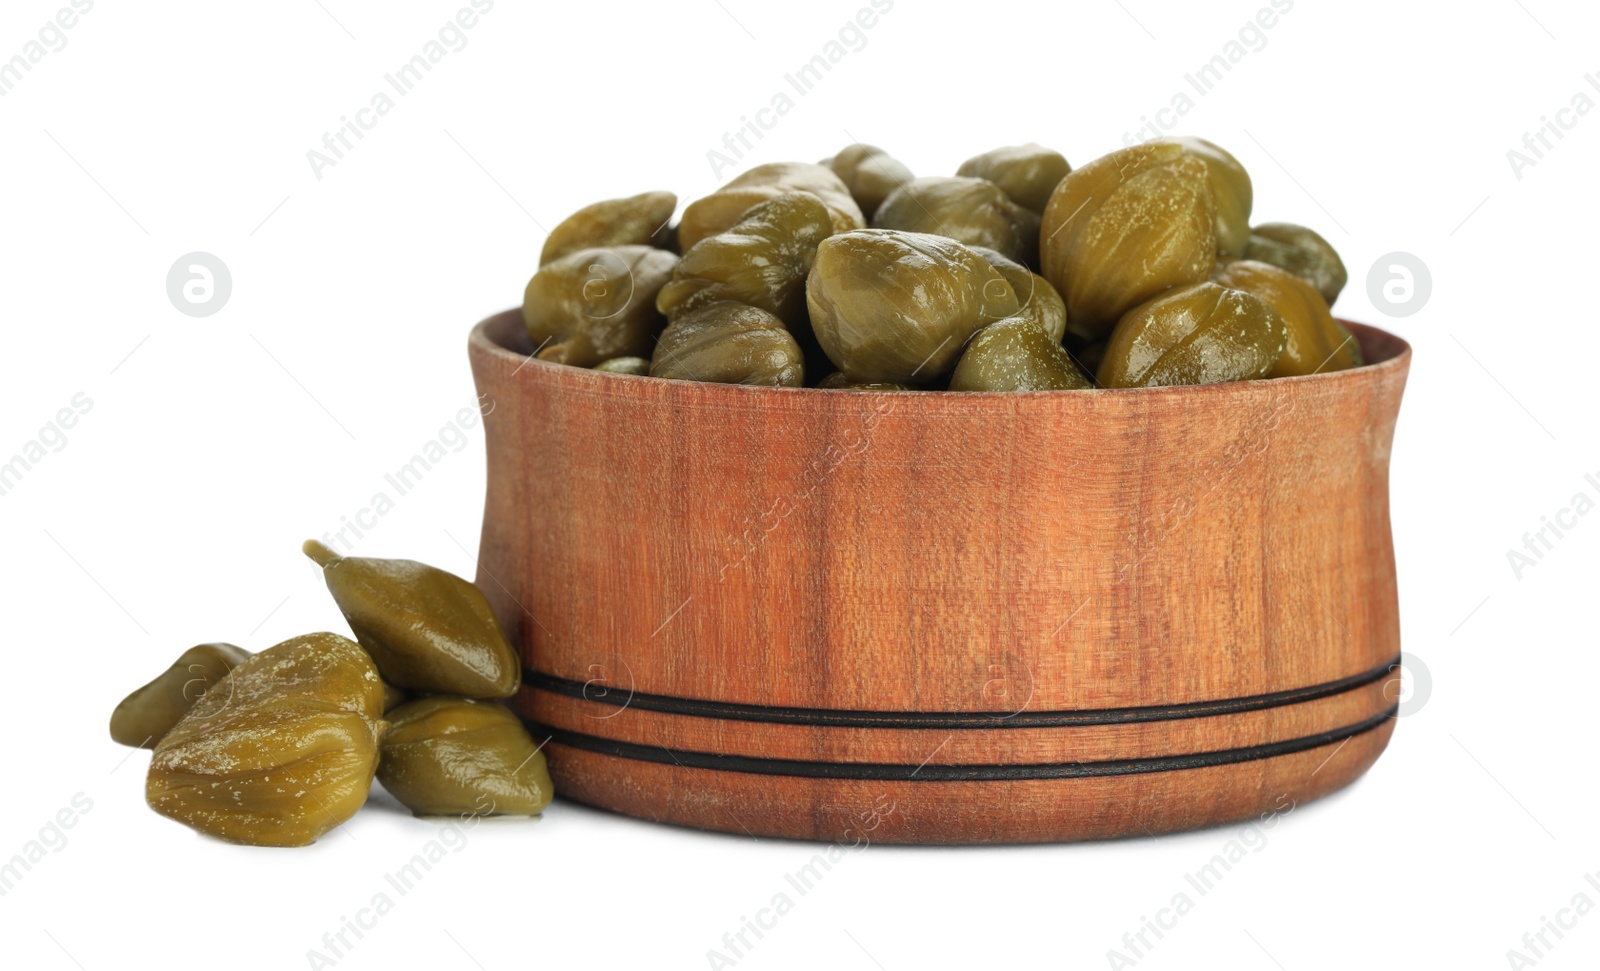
(278, 748)
(1018, 273)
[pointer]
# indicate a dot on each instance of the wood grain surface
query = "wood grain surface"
(767, 610)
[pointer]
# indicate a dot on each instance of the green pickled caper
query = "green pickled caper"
(838, 382)
(1015, 354)
(869, 173)
(761, 260)
(1302, 252)
(714, 213)
(1124, 228)
(597, 304)
(426, 629)
(1039, 300)
(278, 753)
(1313, 341)
(625, 365)
(1074, 252)
(454, 756)
(1027, 173)
(639, 220)
(972, 211)
(142, 718)
(897, 307)
(1199, 334)
(729, 343)
(1230, 189)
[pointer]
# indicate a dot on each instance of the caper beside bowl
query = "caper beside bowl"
(278, 748)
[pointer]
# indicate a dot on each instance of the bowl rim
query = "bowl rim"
(1387, 354)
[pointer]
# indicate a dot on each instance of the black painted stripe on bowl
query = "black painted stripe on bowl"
(950, 720)
(894, 772)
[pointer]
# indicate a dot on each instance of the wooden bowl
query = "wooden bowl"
(942, 617)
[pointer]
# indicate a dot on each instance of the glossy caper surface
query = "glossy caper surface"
(1199, 334)
(1015, 354)
(454, 756)
(427, 630)
(729, 343)
(1037, 299)
(596, 304)
(869, 173)
(714, 213)
(838, 382)
(1302, 252)
(142, 718)
(1313, 341)
(973, 211)
(639, 220)
(1027, 173)
(278, 753)
(1124, 228)
(761, 260)
(897, 306)
(625, 365)
(1230, 189)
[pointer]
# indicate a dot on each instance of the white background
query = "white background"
(174, 512)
